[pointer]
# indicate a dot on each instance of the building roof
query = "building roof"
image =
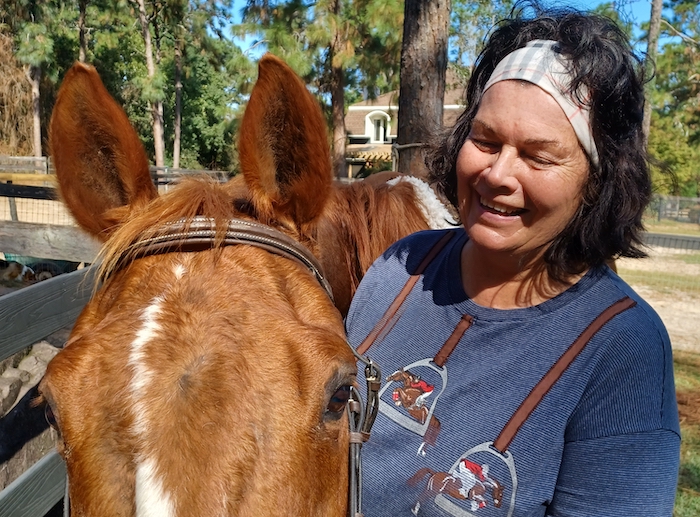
(453, 105)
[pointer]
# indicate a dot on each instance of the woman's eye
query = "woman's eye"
(539, 161)
(339, 400)
(484, 145)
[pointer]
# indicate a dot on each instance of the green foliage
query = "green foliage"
(675, 132)
(687, 377)
(35, 44)
(363, 37)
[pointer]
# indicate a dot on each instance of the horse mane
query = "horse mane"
(198, 196)
(371, 218)
(363, 219)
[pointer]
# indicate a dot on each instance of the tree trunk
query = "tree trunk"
(337, 96)
(338, 108)
(177, 123)
(156, 105)
(423, 69)
(652, 50)
(35, 80)
(81, 30)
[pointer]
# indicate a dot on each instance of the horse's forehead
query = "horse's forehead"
(220, 303)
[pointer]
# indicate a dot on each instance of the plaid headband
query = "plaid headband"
(539, 62)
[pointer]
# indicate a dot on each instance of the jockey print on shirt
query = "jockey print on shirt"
(481, 483)
(409, 398)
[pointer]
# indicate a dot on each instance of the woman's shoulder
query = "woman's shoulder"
(421, 241)
(632, 368)
(641, 318)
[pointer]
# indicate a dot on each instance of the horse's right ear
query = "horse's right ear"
(100, 162)
(283, 146)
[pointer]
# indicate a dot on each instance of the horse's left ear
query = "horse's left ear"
(100, 162)
(283, 146)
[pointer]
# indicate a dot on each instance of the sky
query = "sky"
(637, 11)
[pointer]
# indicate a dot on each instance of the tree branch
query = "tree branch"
(680, 34)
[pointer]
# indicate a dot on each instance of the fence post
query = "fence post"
(13, 206)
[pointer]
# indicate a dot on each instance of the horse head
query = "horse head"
(204, 381)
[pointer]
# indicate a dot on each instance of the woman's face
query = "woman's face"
(521, 171)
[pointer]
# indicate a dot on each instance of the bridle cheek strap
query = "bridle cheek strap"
(361, 419)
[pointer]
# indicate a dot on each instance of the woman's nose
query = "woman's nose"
(501, 170)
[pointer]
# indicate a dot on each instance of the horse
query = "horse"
(208, 374)
(472, 487)
(411, 394)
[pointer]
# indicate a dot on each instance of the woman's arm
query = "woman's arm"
(616, 476)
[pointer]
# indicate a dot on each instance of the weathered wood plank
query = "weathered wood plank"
(27, 191)
(24, 177)
(36, 491)
(47, 240)
(32, 313)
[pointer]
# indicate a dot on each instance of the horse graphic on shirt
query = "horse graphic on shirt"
(469, 481)
(412, 394)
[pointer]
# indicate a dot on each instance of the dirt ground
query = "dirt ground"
(678, 308)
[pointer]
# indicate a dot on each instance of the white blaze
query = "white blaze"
(180, 271)
(151, 499)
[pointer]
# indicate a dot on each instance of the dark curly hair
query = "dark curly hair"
(608, 224)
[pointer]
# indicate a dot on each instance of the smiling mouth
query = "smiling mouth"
(496, 208)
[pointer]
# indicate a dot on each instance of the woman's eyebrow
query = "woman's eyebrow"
(486, 128)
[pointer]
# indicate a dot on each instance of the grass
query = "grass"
(670, 226)
(687, 372)
(690, 258)
(664, 282)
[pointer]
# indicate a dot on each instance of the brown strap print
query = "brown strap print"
(449, 346)
(555, 372)
(384, 322)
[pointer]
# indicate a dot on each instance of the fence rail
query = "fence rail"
(679, 242)
(30, 315)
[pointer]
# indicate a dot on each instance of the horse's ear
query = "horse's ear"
(283, 146)
(99, 159)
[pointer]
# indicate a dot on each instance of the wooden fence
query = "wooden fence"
(36, 222)
(30, 315)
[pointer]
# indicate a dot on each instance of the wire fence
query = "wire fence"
(28, 188)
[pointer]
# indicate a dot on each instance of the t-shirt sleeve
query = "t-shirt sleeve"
(633, 474)
(622, 447)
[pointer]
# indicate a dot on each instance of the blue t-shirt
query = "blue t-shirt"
(604, 440)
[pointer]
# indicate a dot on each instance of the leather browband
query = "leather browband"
(200, 234)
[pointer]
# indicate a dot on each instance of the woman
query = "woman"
(523, 376)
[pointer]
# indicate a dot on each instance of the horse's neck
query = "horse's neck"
(360, 222)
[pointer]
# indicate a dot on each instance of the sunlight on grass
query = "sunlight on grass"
(662, 281)
(651, 224)
(687, 373)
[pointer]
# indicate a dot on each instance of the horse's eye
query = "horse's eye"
(50, 417)
(339, 400)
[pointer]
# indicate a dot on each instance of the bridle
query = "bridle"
(201, 233)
